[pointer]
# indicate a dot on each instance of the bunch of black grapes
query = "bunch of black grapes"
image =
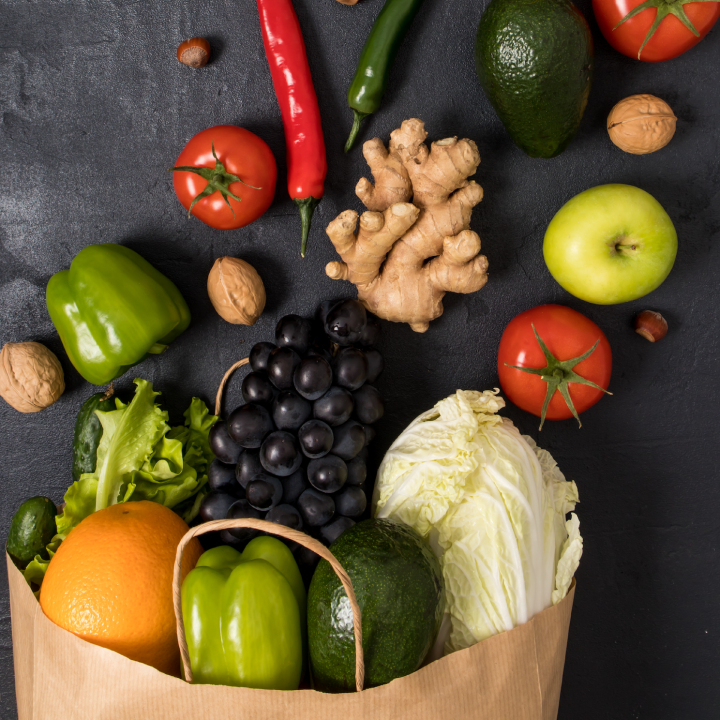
(295, 452)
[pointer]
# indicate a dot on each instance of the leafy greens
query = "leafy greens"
(140, 457)
(492, 505)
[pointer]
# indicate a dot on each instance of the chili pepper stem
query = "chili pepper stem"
(307, 207)
(357, 120)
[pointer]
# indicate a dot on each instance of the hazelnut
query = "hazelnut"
(194, 52)
(31, 377)
(651, 325)
(236, 291)
(641, 124)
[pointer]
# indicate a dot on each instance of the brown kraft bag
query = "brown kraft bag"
(516, 675)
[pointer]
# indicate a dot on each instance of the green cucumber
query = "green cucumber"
(31, 529)
(88, 432)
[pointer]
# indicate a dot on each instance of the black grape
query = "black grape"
(241, 509)
(225, 448)
(369, 405)
(317, 351)
(259, 356)
(315, 438)
(328, 474)
(313, 377)
(371, 334)
(333, 530)
(351, 502)
(215, 506)
(345, 322)
(285, 515)
(375, 364)
(290, 411)
(316, 508)
(324, 308)
(294, 486)
(279, 454)
(264, 492)
(294, 332)
(357, 471)
(256, 388)
(248, 467)
(249, 425)
(281, 367)
(350, 368)
(349, 440)
(334, 407)
(221, 478)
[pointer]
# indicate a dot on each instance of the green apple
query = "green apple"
(610, 244)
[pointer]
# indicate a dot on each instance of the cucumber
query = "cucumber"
(31, 529)
(88, 432)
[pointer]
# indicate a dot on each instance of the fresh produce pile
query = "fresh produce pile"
(468, 534)
(295, 452)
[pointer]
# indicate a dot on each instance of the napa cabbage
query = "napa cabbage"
(493, 506)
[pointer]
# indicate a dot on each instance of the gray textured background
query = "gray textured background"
(95, 107)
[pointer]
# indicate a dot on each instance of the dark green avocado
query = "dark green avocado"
(399, 587)
(31, 529)
(534, 59)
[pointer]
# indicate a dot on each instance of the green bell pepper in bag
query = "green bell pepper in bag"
(244, 616)
(111, 309)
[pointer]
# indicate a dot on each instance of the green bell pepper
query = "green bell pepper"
(244, 616)
(111, 309)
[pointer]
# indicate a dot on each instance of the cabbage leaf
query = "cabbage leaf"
(493, 506)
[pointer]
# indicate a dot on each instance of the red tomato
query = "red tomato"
(671, 38)
(567, 334)
(242, 154)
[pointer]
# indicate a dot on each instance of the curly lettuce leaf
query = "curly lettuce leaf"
(130, 434)
(140, 457)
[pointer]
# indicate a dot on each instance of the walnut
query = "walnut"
(31, 377)
(236, 291)
(641, 124)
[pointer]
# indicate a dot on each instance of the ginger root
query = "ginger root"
(406, 255)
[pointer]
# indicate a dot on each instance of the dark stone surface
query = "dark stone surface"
(95, 107)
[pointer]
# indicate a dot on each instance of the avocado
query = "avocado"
(31, 529)
(399, 588)
(534, 59)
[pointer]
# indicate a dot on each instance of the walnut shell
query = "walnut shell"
(236, 291)
(641, 124)
(31, 377)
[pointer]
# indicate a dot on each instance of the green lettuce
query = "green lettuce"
(493, 506)
(139, 457)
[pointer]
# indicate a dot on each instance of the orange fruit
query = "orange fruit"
(110, 582)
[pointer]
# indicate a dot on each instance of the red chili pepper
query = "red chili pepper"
(285, 51)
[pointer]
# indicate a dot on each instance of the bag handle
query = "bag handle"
(223, 383)
(288, 534)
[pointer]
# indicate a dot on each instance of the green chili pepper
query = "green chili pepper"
(376, 59)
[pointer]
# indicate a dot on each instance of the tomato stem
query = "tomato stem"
(557, 374)
(218, 180)
(664, 8)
